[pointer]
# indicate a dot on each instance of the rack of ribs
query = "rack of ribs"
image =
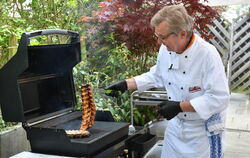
(88, 108)
(89, 113)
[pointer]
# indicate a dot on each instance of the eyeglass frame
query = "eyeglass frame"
(165, 37)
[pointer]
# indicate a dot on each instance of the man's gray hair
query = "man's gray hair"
(176, 17)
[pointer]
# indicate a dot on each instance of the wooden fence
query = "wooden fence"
(232, 40)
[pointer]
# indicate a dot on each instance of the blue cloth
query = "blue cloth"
(214, 127)
(215, 146)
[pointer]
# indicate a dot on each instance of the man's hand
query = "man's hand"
(169, 109)
(116, 89)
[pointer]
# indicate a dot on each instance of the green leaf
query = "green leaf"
(72, 3)
(21, 1)
(108, 91)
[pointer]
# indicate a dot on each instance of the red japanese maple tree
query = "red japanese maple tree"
(130, 20)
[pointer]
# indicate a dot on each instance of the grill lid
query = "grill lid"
(38, 80)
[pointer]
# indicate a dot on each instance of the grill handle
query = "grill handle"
(50, 32)
(74, 35)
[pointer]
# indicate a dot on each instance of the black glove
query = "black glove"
(169, 109)
(116, 89)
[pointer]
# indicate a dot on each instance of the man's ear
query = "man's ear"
(183, 34)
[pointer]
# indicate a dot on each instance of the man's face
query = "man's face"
(172, 41)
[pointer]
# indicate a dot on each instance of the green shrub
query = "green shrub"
(6, 125)
(111, 62)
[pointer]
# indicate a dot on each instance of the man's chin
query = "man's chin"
(170, 50)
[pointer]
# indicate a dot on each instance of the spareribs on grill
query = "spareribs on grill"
(89, 113)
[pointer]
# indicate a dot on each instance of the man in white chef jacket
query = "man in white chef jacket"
(192, 72)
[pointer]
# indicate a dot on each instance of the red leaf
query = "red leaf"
(131, 21)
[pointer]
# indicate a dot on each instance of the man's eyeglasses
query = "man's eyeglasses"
(164, 38)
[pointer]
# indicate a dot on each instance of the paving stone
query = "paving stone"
(237, 141)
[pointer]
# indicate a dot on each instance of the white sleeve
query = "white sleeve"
(216, 96)
(149, 79)
(152, 78)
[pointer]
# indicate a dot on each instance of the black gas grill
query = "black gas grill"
(37, 88)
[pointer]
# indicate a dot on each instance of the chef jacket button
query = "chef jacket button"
(181, 88)
(186, 56)
(169, 52)
(169, 83)
(185, 115)
(169, 97)
(184, 72)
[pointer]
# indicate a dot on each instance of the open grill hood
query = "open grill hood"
(38, 79)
